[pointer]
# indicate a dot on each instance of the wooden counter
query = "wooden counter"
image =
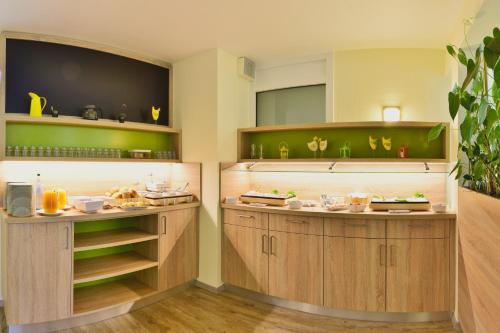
(321, 212)
(74, 215)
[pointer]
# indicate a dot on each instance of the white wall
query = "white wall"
(210, 102)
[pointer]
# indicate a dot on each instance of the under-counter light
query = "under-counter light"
(391, 113)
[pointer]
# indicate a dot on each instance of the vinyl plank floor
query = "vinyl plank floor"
(197, 310)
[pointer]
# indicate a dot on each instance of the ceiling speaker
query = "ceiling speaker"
(246, 68)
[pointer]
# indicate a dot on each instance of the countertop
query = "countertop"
(321, 212)
(74, 215)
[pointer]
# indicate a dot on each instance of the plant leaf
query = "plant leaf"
(451, 50)
(472, 69)
(435, 132)
(453, 104)
(482, 111)
(491, 49)
(455, 167)
(466, 128)
(491, 118)
(496, 32)
(462, 57)
(496, 73)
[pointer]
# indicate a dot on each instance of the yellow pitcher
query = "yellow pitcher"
(36, 107)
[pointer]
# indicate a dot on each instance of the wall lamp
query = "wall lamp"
(391, 113)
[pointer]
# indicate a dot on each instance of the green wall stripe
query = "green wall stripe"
(103, 225)
(414, 138)
(28, 134)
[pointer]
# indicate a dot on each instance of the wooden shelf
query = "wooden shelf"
(92, 269)
(345, 160)
(82, 159)
(103, 239)
(76, 121)
(93, 298)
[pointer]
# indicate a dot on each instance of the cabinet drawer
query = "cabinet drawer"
(246, 218)
(418, 228)
(361, 228)
(309, 225)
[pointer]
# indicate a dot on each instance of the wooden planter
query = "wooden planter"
(478, 262)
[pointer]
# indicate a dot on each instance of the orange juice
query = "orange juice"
(50, 202)
(62, 199)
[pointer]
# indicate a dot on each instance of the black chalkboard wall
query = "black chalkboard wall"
(71, 77)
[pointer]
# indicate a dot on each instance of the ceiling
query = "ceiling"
(267, 31)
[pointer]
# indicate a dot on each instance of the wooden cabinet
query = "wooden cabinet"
(178, 262)
(296, 267)
(246, 218)
(355, 273)
(245, 257)
(361, 228)
(418, 276)
(39, 272)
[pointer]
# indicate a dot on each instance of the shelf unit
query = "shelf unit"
(336, 133)
(81, 159)
(109, 238)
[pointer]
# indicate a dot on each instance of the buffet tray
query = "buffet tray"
(170, 200)
(389, 205)
(276, 201)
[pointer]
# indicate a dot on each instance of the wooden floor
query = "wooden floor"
(197, 310)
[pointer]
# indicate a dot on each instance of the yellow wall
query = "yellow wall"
(366, 80)
(210, 102)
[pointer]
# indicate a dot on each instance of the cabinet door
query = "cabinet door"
(245, 258)
(178, 247)
(355, 273)
(418, 275)
(296, 267)
(39, 272)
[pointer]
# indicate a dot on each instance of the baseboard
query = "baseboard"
(456, 324)
(212, 289)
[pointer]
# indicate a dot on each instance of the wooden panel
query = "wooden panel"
(178, 247)
(355, 273)
(297, 224)
(246, 218)
(108, 266)
(245, 258)
(418, 276)
(362, 228)
(407, 228)
(296, 267)
(478, 262)
(39, 272)
(182, 173)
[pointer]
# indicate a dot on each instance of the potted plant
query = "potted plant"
(477, 103)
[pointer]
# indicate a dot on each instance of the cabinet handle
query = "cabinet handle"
(272, 246)
(164, 220)
(393, 255)
(382, 255)
(246, 216)
(67, 238)
(265, 244)
(297, 221)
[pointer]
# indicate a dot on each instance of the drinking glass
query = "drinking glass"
(64, 152)
(48, 152)
(86, 152)
(33, 151)
(99, 153)
(40, 151)
(16, 151)
(50, 201)
(174, 155)
(71, 152)
(8, 151)
(105, 153)
(169, 155)
(56, 152)
(25, 151)
(62, 199)
(92, 152)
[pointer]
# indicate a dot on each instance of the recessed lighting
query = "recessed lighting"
(391, 113)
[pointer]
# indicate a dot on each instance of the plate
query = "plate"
(42, 213)
(133, 208)
(335, 208)
(67, 207)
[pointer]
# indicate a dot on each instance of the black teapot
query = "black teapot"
(91, 112)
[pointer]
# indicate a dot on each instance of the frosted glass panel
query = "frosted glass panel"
(299, 105)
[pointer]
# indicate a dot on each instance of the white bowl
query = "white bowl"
(294, 204)
(439, 208)
(231, 200)
(88, 206)
(357, 208)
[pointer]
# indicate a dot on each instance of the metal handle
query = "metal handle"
(382, 254)
(297, 221)
(393, 256)
(67, 238)
(164, 220)
(272, 246)
(265, 244)
(246, 216)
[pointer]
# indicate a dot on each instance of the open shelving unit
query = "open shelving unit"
(115, 262)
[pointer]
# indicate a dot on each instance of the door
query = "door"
(355, 273)
(39, 272)
(296, 267)
(245, 258)
(178, 248)
(418, 275)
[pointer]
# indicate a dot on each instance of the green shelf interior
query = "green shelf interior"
(414, 137)
(53, 135)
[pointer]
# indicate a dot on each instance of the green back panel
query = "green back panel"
(28, 134)
(98, 282)
(414, 138)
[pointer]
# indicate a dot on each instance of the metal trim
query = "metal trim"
(404, 317)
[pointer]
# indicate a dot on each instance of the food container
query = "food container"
(88, 204)
(166, 199)
(231, 200)
(439, 208)
(358, 198)
(357, 208)
(139, 154)
(295, 204)
(266, 198)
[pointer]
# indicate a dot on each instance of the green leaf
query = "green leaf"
(467, 177)
(453, 104)
(435, 132)
(451, 50)
(459, 172)
(495, 91)
(455, 167)
(496, 73)
(482, 111)
(496, 32)
(478, 170)
(491, 118)
(477, 85)
(462, 57)
(466, 128)
(491, 50)
(472, 69)
(467, 100)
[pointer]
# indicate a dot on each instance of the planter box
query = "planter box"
(478, 262)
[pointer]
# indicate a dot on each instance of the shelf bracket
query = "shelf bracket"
(426, 166)
(250, 165)
(332, 165)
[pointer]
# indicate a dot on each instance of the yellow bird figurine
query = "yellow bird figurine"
(155, 112)
(387, 143)
(373, 142)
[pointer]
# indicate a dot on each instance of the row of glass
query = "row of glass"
(76, 152)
